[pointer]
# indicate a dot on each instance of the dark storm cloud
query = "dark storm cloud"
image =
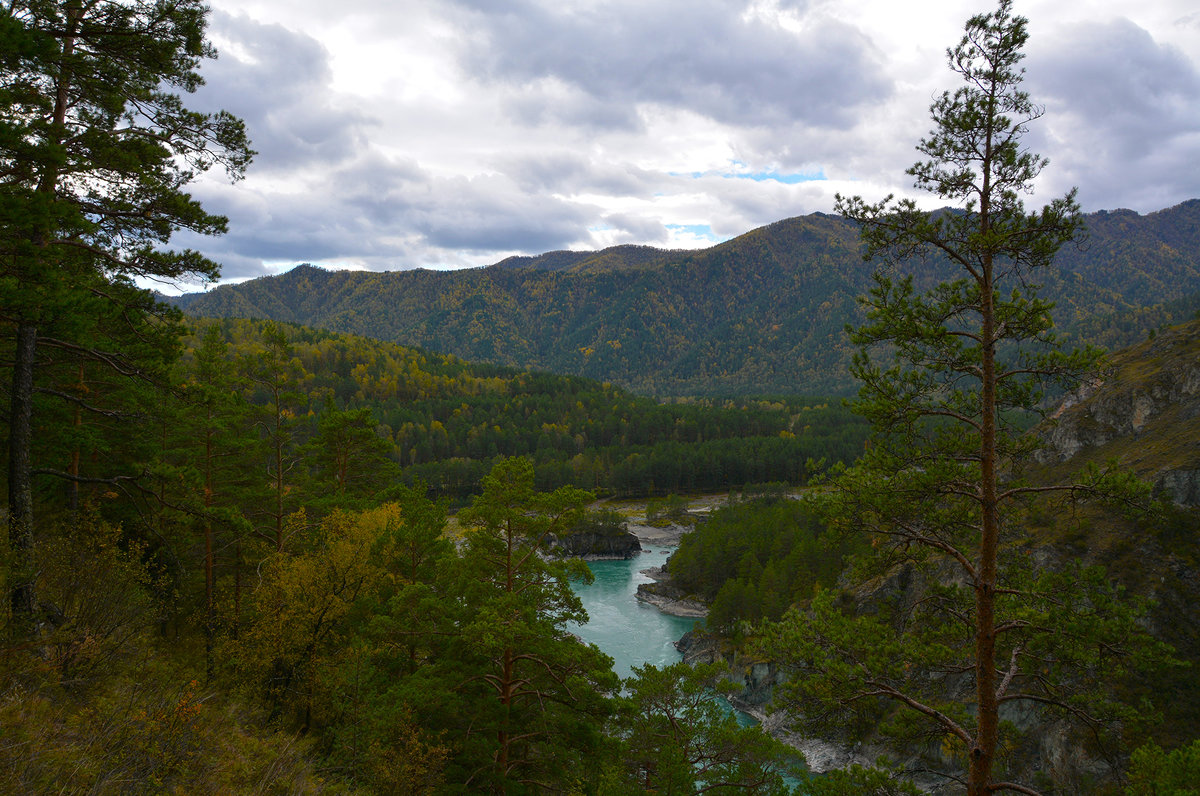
(1126, 111)
(705, 56)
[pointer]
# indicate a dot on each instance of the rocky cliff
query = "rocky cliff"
(597, 545)
(1143, 411)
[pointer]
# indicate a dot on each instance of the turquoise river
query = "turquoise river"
(632, 632)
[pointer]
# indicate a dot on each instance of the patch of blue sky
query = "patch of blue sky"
(696, 230)
(739, 172)
(787, 179)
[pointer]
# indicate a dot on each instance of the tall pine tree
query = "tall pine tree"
(96, 149)
(948, 377)
(537, 690)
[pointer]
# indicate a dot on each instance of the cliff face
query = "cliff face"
(756, 678)
(1143, 411)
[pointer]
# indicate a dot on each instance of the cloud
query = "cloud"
(572, 173)
(377, 213)
(1123, 113)
(706, 56)
(633, 228)
(448, 133)
(488, 214)
(278, 81)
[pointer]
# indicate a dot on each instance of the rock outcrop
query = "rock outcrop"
(668, 598)
(755, 677)
(596, 546)
(1144, 412)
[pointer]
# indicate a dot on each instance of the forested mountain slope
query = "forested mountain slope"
(763, 312)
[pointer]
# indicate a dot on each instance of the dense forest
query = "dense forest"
(444, 421)
(253, 556)
(753, 560)
(265, 509)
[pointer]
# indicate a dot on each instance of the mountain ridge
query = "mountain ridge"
(763, 312)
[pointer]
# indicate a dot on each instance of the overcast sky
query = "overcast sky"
(397, 134)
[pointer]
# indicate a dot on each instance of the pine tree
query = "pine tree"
(948, 377)
(217, 433)
(538, 690)
(275, 375)
(95, 150)
(350, 455)
(680, 737)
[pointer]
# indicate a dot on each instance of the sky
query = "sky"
(397, 134)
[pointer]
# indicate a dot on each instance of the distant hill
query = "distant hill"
(612, 258)
(761, 313)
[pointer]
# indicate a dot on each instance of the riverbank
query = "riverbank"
(658, 593)
(660, 536)
(688, 609)
(756, 679)
(632, 632)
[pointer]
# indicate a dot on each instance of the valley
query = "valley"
(919, 488)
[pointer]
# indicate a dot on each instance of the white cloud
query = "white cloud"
(1116, 97)
(444, 133)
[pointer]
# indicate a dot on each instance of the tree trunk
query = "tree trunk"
(502, 735)
(988, 719)
(20, 479)
(987, 734)
(77, 421)
(237, 588)
(278, 474)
